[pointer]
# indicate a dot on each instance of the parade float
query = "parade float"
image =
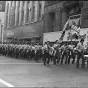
(74, 34)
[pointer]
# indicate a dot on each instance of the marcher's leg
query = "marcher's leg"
(48, 61)
(62, 58)
(83, 61)
(73, 56)
(78, 58)
(69, 57)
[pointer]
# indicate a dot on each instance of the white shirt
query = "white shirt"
(80, 47)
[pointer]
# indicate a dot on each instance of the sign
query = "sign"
(2, 6)
(28, 31)
(10, 33)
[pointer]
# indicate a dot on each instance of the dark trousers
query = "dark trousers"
(64, 54)
(80, 55)
(36, 58)
(54, 59)
(46, 58)
(58, 57)
(71, 55)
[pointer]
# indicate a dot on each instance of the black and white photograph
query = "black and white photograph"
(44, 44)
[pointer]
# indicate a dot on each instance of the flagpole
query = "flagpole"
(63, 31)
(71, 29)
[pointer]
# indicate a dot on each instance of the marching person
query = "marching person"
(80, 53)
(71, 53)
(51, 51)
(64, 53)
(56, 52)
(37, 52)
(46, 53)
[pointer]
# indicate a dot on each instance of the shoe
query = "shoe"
(61, 63)
(82, 66)
(77, 66)
(72, 62)
(48, 64)
(44, 64)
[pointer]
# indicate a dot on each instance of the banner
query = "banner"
(75, 27)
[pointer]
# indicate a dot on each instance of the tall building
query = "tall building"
(58, 12)
(24, 20)
(2, 14)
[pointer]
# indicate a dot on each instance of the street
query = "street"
(23, 73)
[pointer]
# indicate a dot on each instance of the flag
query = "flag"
(63, 31)
(75, 27)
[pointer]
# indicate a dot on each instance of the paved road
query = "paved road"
(23, 73)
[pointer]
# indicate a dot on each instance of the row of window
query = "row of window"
(12, 14)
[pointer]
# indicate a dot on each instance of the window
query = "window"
(10, 16)
(40, 9)
(7, 14)
(33, 16)
(18, 12)
(23, 13)
(27, 20)
(0, 6)
(14, 13)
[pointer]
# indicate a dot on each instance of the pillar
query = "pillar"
(16, 12)
(36, 10)
(13, 13)
(43, 4)
(31, 11)
(6, 15)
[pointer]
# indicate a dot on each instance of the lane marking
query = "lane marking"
(6, 83)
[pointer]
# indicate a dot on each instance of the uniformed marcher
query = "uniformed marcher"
(71, 53)
(45, 53)
(37, 52)
(64, 54)
(80, 53)
(56, 55)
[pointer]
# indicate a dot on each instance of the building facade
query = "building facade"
(24, 20)
(58, 12)
(2, 13)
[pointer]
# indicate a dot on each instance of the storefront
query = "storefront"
(31, 32)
